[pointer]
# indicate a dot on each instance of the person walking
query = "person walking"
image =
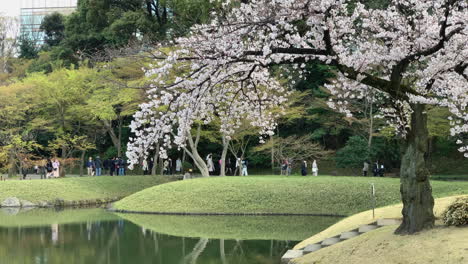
(304, 168)
(106, 166)
(210, 164)
(90, 166)
(49, 169)
(166, 167)
(121, 163)
(244, 167)
(178, 166)
(381, 170)
(365, 169)
(144, 167)
(375, 169)
(238, 166)
(284, 167)
(113, 165)
(315, 168)
(56, 166)
(289, 169)
(98, 166)
(228, 166)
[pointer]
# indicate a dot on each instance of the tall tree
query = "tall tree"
(413, 52)
(54, 29)
(8, 41)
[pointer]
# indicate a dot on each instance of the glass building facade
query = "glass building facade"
(32, 13)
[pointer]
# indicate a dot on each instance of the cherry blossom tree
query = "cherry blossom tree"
(413, 53)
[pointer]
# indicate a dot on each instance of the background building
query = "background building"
(32, 13)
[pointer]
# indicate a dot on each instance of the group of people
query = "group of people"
(240, 166)
(286, 167)
(378, 169)
(114, 166)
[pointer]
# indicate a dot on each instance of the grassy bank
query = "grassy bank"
(274, 194)
(74, 189)
(46, 217)
(439, 245)
(288, 228)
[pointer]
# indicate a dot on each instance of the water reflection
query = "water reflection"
(118, 241)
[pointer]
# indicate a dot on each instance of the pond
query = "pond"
(94, 236)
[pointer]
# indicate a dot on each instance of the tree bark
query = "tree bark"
(155, 160)
(114, 138)
(82, 161)
(193, 153)
(416, 191)
(222, 171)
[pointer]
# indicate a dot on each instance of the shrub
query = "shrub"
(457, 213)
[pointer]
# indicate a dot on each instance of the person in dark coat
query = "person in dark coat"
(375, 169)
(113, 166)
(98, 166)
(304, 168)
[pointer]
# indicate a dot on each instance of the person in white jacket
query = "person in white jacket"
(314, 168)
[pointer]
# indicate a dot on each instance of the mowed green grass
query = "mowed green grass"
(275, 194)
(74, 189)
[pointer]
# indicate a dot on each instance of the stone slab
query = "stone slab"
(291, 254)
(11, 202)
(388, 222)
(348, 235)
(26, 203)
(367, 228)
(330, 241)
(312, 248)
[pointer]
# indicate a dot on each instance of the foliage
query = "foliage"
(457, 213)
(295, 148)
(53, 27)
(354, 154)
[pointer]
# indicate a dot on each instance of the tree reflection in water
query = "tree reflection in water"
(122, 242)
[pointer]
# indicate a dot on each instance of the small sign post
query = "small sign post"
(373, 199)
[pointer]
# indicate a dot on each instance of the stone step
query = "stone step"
(291, 254)
(366, 228)
(348, 235)
(388, 221)
(312, 248)
(330, 241)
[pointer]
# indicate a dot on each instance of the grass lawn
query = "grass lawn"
(274, 194)
(73, 189)
(287, 228)
(46, 217)
(439, 245)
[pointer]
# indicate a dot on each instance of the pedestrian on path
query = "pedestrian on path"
(315, 168)
(365, 169)
(304, 168)
(244, 167)
(56, 167)
(90, 166)
(178, 166)
(209, 163)
(98, 166)
(144, 167)
(49, 169)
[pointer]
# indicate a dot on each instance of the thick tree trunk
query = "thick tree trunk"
(416, 191)
(82, 162)
(114, 138)
(222, 171)
(193, 153)
(155, 160)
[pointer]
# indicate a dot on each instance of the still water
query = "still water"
(95, 236)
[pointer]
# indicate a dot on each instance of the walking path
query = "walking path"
(292, 254)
